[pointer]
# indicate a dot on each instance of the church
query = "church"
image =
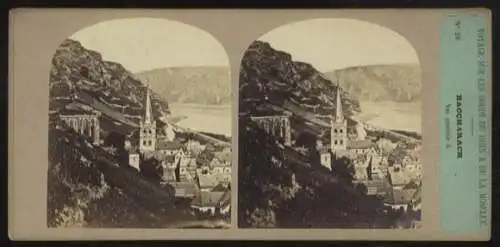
(150, 143)
(341, 143)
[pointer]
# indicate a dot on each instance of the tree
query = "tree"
(344, 168)
(362, 189)
(307, 140)
(114, 139)
(151, 169)
(205, 157)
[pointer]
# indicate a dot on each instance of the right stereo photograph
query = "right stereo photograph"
(330, 128)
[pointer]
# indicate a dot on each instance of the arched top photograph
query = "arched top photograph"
(130, 99)
(355, 87)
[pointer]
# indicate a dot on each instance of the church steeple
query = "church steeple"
(147, 142)
(338, 134)
(339, 115)
(147, 117)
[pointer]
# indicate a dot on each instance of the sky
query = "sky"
(142, 44)
(330, 44)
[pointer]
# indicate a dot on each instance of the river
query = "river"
(207, 118)
(217, 118)
(392, 115)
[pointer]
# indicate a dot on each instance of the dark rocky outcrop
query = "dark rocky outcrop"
(269, 76)
(79, 75)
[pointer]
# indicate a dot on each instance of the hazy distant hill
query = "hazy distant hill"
(397, 82)
(203, 85)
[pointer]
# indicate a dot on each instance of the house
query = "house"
(207, 201)
(134, 161)
(127, 145)
(168, 166)
(360, 168)
(203, 170)
(207, 182)
(185, 189)
(325, 157)
(194, 147)
(223, 157)
(187, 168)
(398, 178)
(377, 187)
(217, 166)
(220, 187)
(224, 204)
(400, 198)
(191, 168)
(407, 161)
(374, 166)
(212, 202)
(169, 147)
(169, 161)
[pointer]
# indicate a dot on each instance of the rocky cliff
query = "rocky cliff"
(81, 76)
(270, 77)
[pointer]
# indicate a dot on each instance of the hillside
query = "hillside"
(202, 85)
(397, 82)
(271, 83)
(87, 185)
(87, 188)
(81, 76)
(282, 188)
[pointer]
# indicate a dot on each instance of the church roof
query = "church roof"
(168, 145)
(359, 144)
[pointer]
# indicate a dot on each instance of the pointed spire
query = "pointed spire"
(148, 114)
(339, 115)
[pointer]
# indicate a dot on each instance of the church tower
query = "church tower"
(338, 139)
(147, 136)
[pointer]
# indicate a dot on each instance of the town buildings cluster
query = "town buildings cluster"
(205, 183)
(396, 181)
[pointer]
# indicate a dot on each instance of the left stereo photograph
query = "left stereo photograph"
(139, 128)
